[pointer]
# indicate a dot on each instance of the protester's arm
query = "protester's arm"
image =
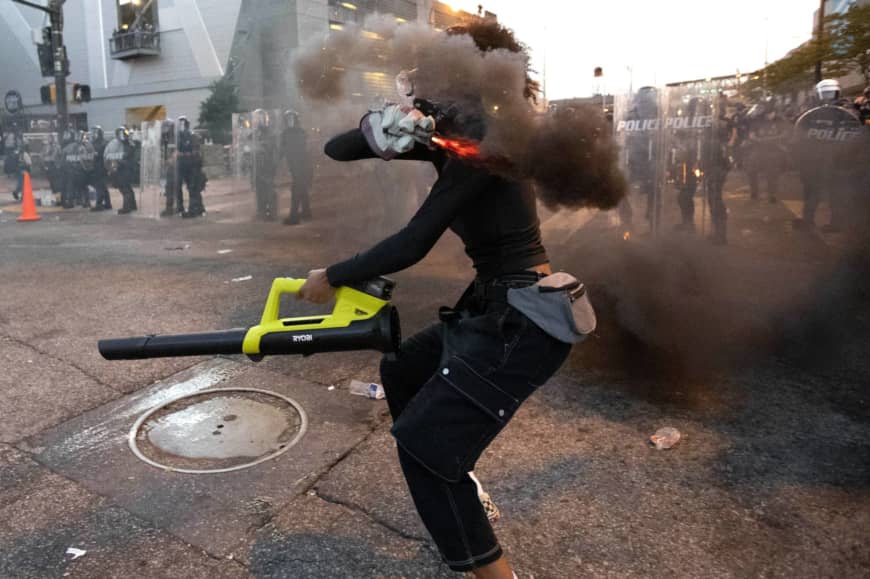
(457, 185)
(352, 146)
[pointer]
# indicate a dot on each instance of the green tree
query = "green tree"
(850, 39)
(844, 47)
(216, 112)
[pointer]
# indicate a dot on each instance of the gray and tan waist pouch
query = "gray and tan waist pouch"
(559, 305)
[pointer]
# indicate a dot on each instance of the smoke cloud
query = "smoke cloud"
(570, 154)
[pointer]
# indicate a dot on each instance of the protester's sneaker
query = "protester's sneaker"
(489, 506)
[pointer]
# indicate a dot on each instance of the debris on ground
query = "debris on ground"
(224, 251)
(243, 278)
(367, 389)
(76, 553)
(665, 438)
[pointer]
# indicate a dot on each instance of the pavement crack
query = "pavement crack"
(358, 509)
(42, 352)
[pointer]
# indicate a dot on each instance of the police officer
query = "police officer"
(11, 152)
(98, 173)
(51, 164)
(828, 156)
(687, 166)
(862, 104)
(119, 158)
(264, 153)
(73, 170)
(299, 166)
(764, 149)
(172, 192)
(716, 162)
(189, 169)
(641, 151)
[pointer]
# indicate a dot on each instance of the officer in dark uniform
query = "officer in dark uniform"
(641, 150)
(265, 157)
(189, 169)
(172, 192)
(51, 164)
(686, 167)
(829, 156)
(11, 145)
(74, 175)
(716, 162)
(98, 174)
(764, 149)
(299, 166)
(119, 158)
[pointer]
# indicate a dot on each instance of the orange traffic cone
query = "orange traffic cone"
(28, 205)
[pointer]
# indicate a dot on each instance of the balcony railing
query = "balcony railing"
(124, 45)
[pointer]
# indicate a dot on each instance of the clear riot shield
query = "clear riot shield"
(242, 148)
(830, 149)
(636, 126)
(693, 161)
(151, 170)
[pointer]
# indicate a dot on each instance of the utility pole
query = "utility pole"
(54, 9)
(820, 31)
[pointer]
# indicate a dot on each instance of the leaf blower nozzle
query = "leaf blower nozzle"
(362, 319)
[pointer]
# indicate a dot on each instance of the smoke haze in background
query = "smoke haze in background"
(570, 155)
(671, 309)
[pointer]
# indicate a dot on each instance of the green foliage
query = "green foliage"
(844, 46)
(851, 34)
(216, 112)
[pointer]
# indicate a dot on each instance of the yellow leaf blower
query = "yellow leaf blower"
(362, 319)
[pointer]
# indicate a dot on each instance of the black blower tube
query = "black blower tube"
(381, 332)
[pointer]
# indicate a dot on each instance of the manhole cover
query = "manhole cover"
(218, 430)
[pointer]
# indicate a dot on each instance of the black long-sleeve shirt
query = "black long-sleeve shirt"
(496, 218)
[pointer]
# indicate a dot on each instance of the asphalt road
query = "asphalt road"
(756, 352)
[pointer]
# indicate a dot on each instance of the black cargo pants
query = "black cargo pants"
(451, 389)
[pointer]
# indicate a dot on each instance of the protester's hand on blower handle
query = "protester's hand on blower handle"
(316, 288)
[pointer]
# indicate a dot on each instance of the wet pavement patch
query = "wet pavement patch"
(218, 430)
(211, 512)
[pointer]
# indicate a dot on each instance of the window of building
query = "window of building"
(137, 15)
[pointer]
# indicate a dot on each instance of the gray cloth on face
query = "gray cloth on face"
(559, 305)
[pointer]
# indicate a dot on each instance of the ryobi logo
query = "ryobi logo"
(303, 338)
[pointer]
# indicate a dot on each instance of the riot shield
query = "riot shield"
(693, 161)
(636, 127)
(242, 148)
(152, 170)
(830, 145)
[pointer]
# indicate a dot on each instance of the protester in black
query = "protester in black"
(454, 386)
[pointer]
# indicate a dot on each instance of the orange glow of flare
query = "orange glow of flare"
(459, 147)
(698, 173)
(626, 236)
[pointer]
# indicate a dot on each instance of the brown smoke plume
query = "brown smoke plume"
(569, 154)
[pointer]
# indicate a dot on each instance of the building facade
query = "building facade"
(152, 59)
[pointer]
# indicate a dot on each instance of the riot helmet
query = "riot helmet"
(646, 102)
(828, 90)
(261, 118)
(167, 131)
(69, 136)
(291, 119)
(122, 134)
(183, 123)
(97, 133)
